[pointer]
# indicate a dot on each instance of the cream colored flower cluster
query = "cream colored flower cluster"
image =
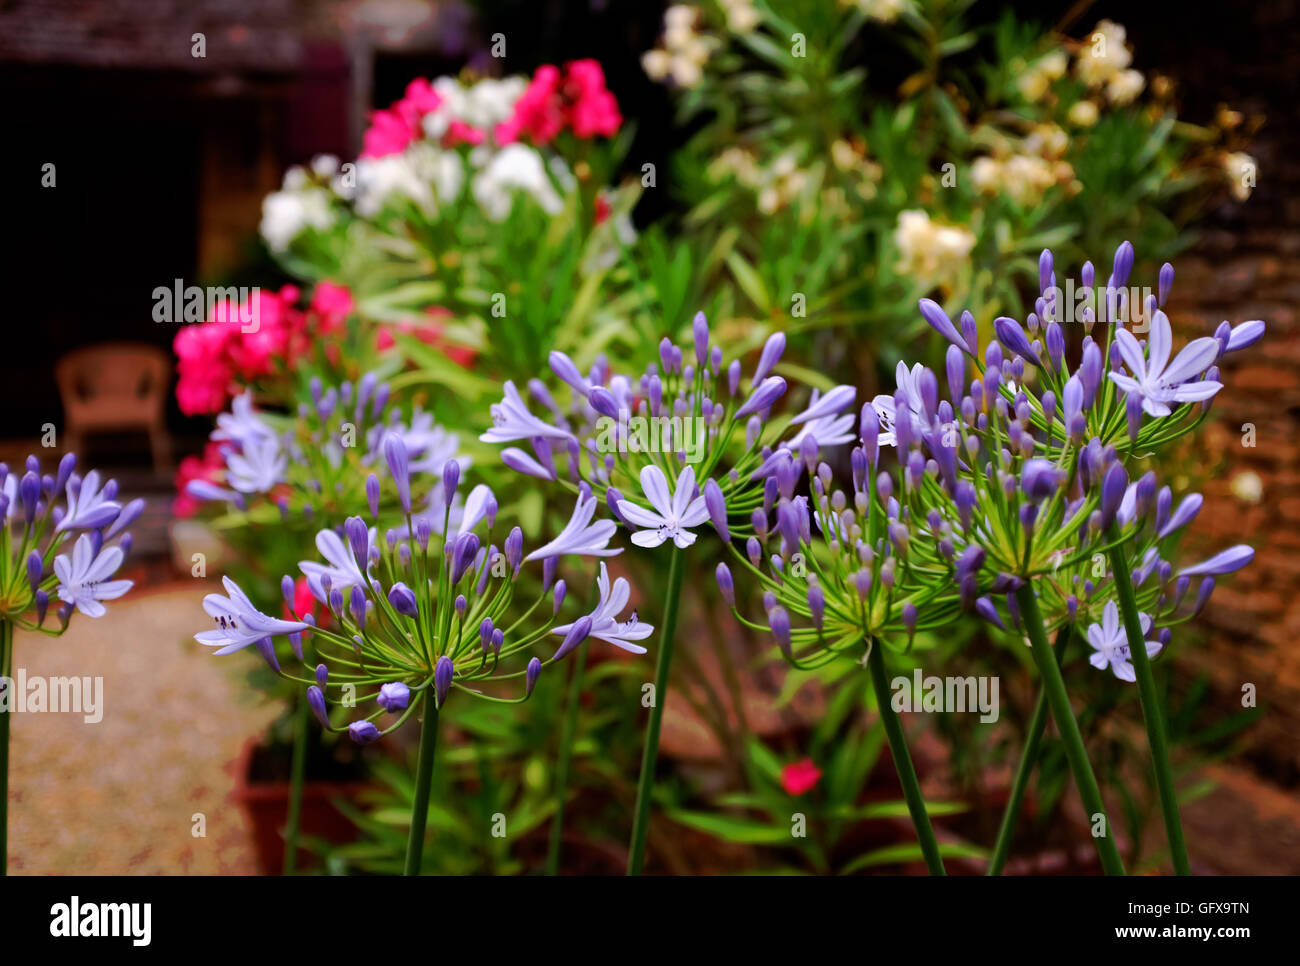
(929, 251)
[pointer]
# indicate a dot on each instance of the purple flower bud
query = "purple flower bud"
(443, 672)
(763, 397)
(716, 504)
(1203, 595)
(603, 401)
(817, 604)
(939, 321)
(986, 609)
(700, 329)
(970, 560)
(1090, 372)
(450, 480)
(1224, 562)
(955, 364)
(578, 633)
(909, 619)
(754, 550)
(1113, 488)
(779, 620)
(549, 566)
(463, 554)
(564, 367)
(394, 697)
(1165, 284)
(1123, 264)
(531, 673)
(363, 732)
(357, 605)
(42, 604)
(399, 466)
(1040, 479)
(322, 675)
(403, 600)
(665, 354)
(354, 528)
(372, 494)
(1245, 335)
(34, 568)
(1011, 335)
(514, 549)
(770, 356)
(725, 585)
(733, 377)
(1045, 270)
(561, 588)
(1184, 515)
(316, 701)
(29, 492)
(66, 466)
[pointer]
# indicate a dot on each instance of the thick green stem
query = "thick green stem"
(297, 772)
(650, 753)
(1152, 712)
(6, 671)
(423, 779)
(1058, 699)
(562, 766)
(1028, 759)
(903, 761)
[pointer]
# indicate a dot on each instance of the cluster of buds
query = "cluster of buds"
(1016, 475)
(42, 514)
(427, 608)
(316, 463)
(1026, 462)
(684, 442)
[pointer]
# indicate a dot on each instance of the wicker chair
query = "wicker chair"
(115, 387)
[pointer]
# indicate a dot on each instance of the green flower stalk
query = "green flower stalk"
(426, 612)
(666, 452)
(63, 537)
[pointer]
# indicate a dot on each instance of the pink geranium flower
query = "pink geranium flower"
(539, 112)
(799, 778)
(593, 111)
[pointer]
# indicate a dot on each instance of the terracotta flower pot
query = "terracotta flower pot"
(267, 805)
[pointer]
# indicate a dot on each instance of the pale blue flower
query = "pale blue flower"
(1157, 380)
(580, 537)
(83, 578)
(605, 624)
(674, 513)
(239, 623)
(512, 421)
(1110, 643)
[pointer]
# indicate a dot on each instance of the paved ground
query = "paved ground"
(120, 797)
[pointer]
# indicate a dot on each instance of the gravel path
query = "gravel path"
(119, 797)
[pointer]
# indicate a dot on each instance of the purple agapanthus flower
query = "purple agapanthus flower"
(239, 623)
(1111, 647)
(1155, 379)
(605, 624)
(83, 578)
(674, 513)
(581, 537)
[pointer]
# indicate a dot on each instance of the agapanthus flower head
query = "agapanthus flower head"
(66, 538)
(1029, 468)
(423, 614)
(678, 444)
(334, 455)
